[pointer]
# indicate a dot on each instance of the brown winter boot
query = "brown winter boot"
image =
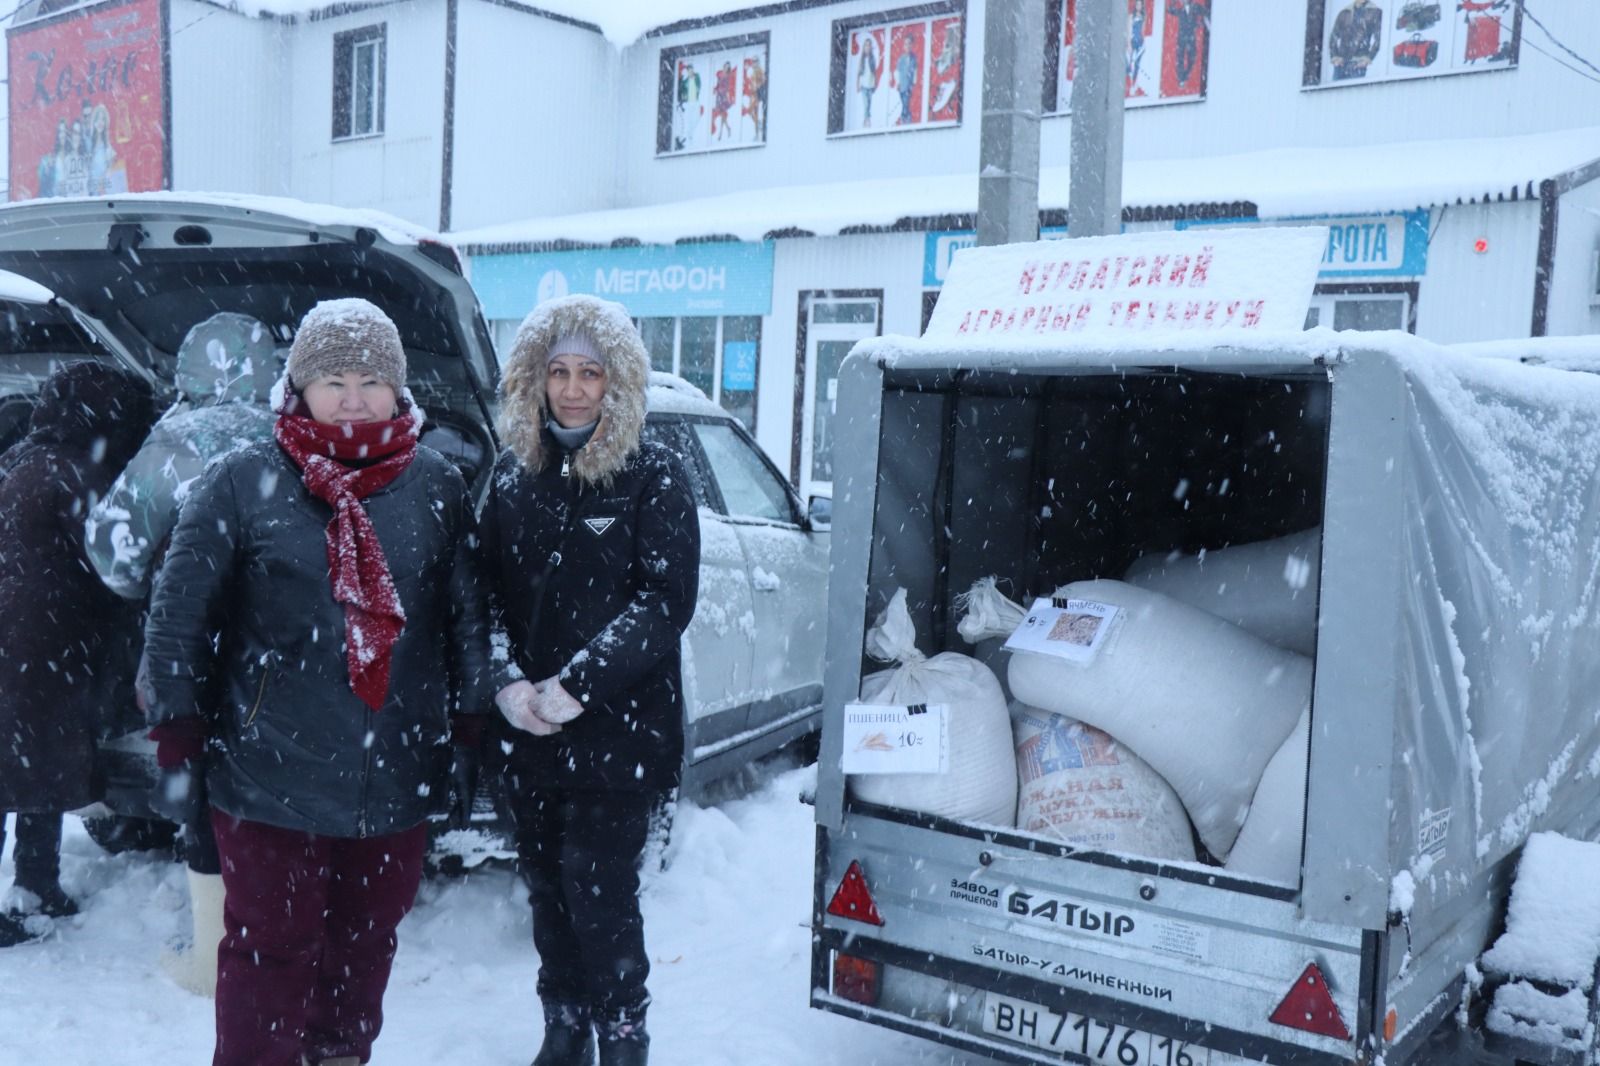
(13, 932)
(568, 1036)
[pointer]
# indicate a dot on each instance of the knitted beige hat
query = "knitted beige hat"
(340, 335)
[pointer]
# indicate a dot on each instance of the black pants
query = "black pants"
(580, 854)
(38, 851)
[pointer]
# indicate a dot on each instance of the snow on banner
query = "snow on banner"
(1254, 280)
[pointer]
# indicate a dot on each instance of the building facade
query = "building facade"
(766, 186)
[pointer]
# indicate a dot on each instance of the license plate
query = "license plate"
(1099, 1042)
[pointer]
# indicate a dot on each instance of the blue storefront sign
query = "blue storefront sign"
(940, 246)
(651, 281)
(1393, 244)
(739, 366)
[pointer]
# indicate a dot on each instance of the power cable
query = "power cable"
(1556, 40)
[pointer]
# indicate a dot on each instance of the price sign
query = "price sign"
(1064, 628)
(890, 739)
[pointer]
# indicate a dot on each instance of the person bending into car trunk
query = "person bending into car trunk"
(317, 638)
(58, 625)
(592, 542)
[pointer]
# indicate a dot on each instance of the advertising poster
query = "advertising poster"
(1387, 40)
(88, 104)
(1169, 42)
(903, 75)
(719, 98)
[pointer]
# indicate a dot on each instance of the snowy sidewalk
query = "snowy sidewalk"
(726, 926)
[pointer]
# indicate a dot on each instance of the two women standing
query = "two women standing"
(318, 642)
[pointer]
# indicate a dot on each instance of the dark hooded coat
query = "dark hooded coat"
(61, 630)
(609, 617)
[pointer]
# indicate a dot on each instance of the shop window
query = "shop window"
(359, 60)
(897, 70)
(1364, 307)
(1169, 48)
(713, 96)
(717, 355)
(830, 324)
(1353, 42)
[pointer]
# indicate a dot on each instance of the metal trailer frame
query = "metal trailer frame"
(1395, 975)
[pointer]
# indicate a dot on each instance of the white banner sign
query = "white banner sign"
(885, 739)
(1258, 279)
(1066, 629)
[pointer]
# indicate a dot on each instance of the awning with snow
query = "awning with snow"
(1275, 183)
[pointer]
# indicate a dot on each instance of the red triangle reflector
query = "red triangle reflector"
(1309, 1007)
(852, 900)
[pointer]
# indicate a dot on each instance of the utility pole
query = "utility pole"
(1099, 86)
(1008, 151)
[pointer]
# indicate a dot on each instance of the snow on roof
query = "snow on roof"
(621, 21)
(23, 290)
(1281, 182)
(394, 230)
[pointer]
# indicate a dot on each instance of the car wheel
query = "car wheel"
(120, 833)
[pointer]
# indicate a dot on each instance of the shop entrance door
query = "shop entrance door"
(830, 325)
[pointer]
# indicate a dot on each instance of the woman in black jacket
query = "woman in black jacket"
(58, 624)
(317, 638)
(592, 538)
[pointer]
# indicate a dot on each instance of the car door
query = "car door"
(788, 565)
(718, 653)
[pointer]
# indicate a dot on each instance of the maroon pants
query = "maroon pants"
(310, 936)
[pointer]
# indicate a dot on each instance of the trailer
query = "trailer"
(1454, 695)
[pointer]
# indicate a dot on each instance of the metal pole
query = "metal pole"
(1008, 149)
(1100, 41)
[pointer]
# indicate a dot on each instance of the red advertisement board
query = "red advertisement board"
(88, 102)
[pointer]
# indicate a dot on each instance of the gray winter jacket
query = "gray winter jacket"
(226, 365)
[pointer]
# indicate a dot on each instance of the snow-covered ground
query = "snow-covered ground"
(726, 924)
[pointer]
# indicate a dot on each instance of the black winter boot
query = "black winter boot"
(568, 1036)
(13, 932)
(623, 1040)
(53, 900)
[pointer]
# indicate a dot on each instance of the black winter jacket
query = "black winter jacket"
(61, 631)
(610, 618)
(247, 574)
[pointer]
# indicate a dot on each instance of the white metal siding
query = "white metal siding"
(1468, 296)
(397, 172)
(1572, 290)
(230, 115)
(535, 129)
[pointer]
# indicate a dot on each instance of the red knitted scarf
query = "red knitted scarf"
(373, 617)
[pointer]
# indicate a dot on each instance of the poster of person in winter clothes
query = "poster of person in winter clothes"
(1169, 44)
(710, 85)
(316, 652)
(903, 75)
(591, 544)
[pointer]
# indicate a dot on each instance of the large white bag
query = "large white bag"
(1268, 587)
(1269, 844)
(1205, 703)
(1078, 784)
(981, 782)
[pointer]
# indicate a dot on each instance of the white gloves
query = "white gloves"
(540, 709)
(556, 704)
(517, 702)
